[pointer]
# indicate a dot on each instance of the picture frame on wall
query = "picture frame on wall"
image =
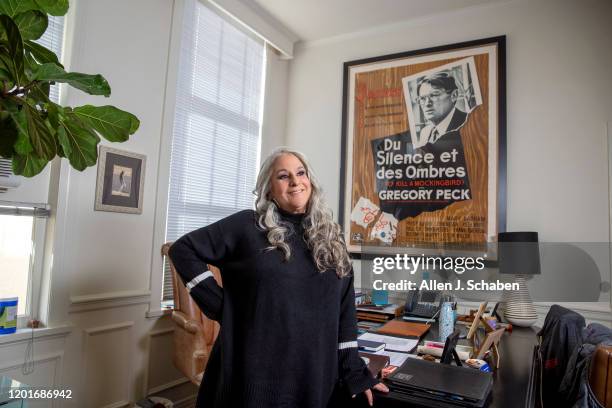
(120, 181)
(423, 165)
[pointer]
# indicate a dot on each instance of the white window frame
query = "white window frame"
(35, 270)
(156, 308)
(163, 168)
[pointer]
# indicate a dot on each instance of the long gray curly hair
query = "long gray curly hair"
(322, 235)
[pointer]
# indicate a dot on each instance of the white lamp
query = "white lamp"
(519, 255)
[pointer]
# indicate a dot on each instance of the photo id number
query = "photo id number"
(40, 394)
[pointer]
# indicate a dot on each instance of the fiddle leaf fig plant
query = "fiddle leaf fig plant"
(34, 129)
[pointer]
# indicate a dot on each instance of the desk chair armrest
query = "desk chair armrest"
(184, 322)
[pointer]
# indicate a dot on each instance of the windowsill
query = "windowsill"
(156, 314)
(42, 333)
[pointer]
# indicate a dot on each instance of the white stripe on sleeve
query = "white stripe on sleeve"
(347, 344)
(190, 285)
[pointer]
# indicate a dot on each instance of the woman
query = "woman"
(287, 310)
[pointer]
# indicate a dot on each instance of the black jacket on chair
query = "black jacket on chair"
(560, 336)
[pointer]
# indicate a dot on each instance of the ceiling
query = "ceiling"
(316, 19)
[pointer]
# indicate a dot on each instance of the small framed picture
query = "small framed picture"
(120, 182)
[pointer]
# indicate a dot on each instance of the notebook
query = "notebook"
(369, 345)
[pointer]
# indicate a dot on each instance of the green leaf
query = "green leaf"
(4, 75)
(28, 165)
(40, 92)
(14, 62)
(40, 136)
(53, 7)
(65, 149)
(8, 137)
(134, 125)
(54, 111)
(111, 123)
(32, 24)
(91, 84)
(41, 54)
(29, 66)
(14, 7)
(82, 144)
(22, 145)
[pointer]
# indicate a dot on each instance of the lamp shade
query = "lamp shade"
(518, 253)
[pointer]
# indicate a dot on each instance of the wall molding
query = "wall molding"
(118, 404)
(187, 402)
(127, 326)
(42, 334)
(87, 303)
(167, 386)
(106, 328)
(58, 355)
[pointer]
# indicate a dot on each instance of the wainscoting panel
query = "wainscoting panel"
(161, 373)
(46, 374)
(107, 365)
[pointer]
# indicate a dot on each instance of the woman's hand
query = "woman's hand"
(378, 387)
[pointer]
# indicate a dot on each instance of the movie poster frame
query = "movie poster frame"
(345, 209)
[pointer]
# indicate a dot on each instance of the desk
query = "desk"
(512, 386)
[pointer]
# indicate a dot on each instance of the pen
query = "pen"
(433, 317)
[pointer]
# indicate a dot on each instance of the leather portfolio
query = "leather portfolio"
(404, 329)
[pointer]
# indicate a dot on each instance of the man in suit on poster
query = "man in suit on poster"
(437, 96)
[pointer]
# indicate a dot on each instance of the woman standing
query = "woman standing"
(287, 310)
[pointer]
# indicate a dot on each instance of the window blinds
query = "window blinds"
(216, 132)
(53, 40)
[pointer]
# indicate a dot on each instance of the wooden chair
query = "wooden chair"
(195, 333)
(600, 376)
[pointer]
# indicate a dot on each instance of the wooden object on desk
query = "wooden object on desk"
(490, 342)
(373, 317)
(404, 329)
(379, 314)
(476, 321)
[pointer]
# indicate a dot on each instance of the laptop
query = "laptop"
(427, 383)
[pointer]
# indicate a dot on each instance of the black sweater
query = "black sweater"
(288, 332)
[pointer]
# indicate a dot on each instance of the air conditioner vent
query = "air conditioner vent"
(7, 178)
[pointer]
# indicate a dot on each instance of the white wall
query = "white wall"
(558, 98)
(274, 118)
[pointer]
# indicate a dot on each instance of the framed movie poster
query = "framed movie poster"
(423, 150)
(120, 182)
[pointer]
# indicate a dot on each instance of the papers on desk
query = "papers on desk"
(396, 359)
(392, 343)
(388, 309)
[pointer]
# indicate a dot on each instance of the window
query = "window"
(22, 229)
(22, 225)
(217, 121)
(15, 252)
